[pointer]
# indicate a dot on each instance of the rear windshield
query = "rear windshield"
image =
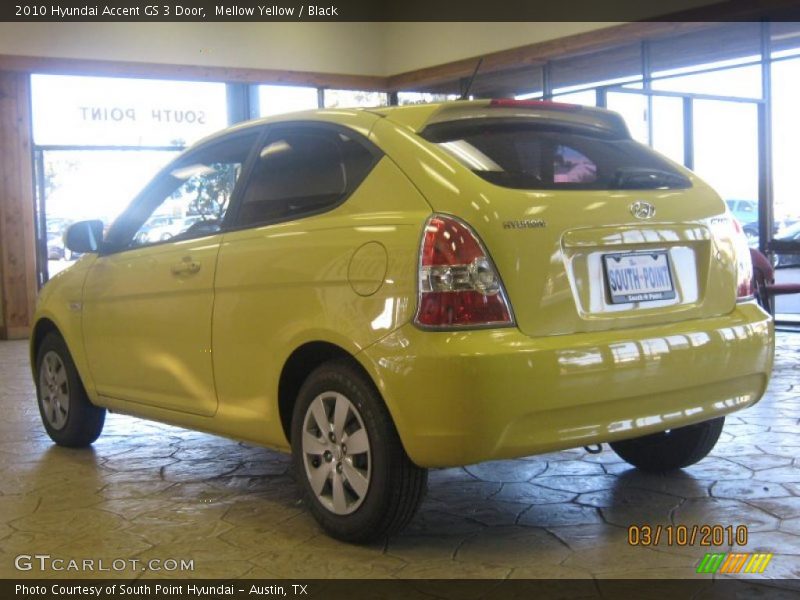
(534, 156)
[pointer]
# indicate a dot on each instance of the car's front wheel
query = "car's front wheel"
(68, 416)
(358, 480)
(671, 449)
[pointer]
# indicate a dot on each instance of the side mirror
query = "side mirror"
(84, 236)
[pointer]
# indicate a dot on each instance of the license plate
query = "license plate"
(639, 277)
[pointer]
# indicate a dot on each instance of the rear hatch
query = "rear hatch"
(589, 230)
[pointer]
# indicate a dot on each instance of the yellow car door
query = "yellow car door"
(147, 325)
(149, 297)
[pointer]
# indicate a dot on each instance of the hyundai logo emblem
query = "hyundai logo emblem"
(643, 210)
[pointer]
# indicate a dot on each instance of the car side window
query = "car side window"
(190, 199)
(302, 171)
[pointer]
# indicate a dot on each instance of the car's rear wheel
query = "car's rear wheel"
(68, 416)
(672, 449)
(357, 479)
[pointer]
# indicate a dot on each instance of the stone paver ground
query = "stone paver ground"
(149, 491)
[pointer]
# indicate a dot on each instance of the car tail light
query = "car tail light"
(745, 287)
(459, 285)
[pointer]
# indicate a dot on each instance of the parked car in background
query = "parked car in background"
(788, 234)
(55, 246)
(391, 289)
(745, 211)
(751, 230)
(169, 230)
(58, 224)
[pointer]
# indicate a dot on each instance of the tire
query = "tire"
(670, 450)
(67, 414)
(364, 493)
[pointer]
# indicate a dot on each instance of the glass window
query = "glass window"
(725, 148)
(586, 98)
(785, 133)
(539, 155)
(89, 184)
(353, 98)
(615, 65)
(668, 127)
(278, 99)
(529, 96)
(302, 171)
(507, 83)
(726, 44)
(785, 39)
(570, 166)
(405, 98)
(189, 199)
(110, 111)
(742, 82)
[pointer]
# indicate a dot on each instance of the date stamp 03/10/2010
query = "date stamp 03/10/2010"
(705, 536)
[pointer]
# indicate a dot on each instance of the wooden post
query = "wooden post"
(17, 232)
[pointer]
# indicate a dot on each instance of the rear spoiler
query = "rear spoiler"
(587, 116)
(420, 116)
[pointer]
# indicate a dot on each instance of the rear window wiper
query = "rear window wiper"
(644, 178)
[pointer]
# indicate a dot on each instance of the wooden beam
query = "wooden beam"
(541, 52)
(17, 233)
(106, 68)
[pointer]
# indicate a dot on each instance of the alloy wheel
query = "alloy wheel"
(336, 453)
(54, 390)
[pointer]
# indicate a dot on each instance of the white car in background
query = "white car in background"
(169, 229)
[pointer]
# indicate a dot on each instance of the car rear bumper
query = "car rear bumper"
(464, 397)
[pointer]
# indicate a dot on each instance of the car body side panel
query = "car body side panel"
(283, 285)
(61, 302)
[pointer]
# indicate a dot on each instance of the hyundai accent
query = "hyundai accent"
(382, 291)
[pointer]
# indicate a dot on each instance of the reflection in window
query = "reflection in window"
(201, 199)
(405, 98)
(536, 155)
(190, 199)
(303, 171)
(353, 98)
(90, 184)
(570, 166)
(278, 99)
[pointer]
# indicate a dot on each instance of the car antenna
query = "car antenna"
(465, 95)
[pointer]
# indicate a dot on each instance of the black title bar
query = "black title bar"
(397, 10)
(388, 589)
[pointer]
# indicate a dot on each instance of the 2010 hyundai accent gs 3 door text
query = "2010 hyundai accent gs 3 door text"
(385, 290)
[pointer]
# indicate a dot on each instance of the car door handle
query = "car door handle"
(186, 267)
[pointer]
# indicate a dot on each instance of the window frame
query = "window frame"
(154, 186)
(275, 129)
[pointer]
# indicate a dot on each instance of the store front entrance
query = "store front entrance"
(98, 141)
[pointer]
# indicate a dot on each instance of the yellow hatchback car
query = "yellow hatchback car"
(385, 290)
